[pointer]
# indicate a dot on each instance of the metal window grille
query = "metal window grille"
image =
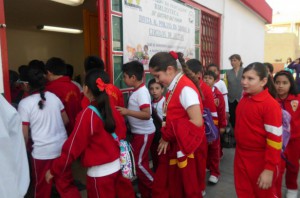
(209, 39)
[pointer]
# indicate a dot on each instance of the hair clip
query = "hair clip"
(108, 88)
(174, 55)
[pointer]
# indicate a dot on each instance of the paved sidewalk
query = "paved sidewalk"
(224, 188)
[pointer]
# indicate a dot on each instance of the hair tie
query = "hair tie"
(174, 55)
(108, 88)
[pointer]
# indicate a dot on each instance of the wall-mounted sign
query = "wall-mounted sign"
(151, 26)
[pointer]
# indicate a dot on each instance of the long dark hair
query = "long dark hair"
(101, 97)
(262, 73)
(37, 81)
(293, 87)
(161, 60)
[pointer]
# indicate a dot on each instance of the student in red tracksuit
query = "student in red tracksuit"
(213, 160)
(258, 133)
(289, 100)
(208, 102)
(92, 140)
(63, 88)
(178, 174)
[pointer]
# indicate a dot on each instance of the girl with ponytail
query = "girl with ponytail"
(180, 147)
(92, 139)
(43, 114)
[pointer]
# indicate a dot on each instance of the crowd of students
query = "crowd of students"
(60, 125)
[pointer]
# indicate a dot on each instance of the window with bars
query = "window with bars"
(209, 39)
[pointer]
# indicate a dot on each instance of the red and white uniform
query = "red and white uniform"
(220, 106)
(292, 154)
(70, 96)
(208, 102)
(258, 133)
(213, 155)
(220, 84)
(178, 174)
(143, 134)
(99, 153)
(48, 134)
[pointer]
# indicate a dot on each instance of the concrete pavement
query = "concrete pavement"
(223, 189)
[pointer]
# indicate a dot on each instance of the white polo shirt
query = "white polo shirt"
(159, 106)
(139, 99)
(47, 128)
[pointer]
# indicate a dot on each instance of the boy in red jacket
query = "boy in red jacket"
(208, 102)
(63, 88)
(213, 160)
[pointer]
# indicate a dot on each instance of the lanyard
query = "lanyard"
(168, 100)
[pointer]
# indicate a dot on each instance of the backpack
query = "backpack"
(286, 130)
(158, 124)
(211, 131)
(126, 155)
(227, 138)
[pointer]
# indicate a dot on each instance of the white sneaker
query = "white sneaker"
(291, 193)
(213, 179)
(203, 193)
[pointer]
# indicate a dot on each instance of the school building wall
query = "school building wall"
(280, 46)
(24, 46)
(242, 31)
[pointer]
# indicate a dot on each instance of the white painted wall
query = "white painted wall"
(242, 33)
(216, 6)
(23, 46)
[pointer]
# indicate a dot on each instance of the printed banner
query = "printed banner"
(151, 26)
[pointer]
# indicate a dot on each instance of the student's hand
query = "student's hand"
(48, 176)
(123, 111)
(227, 116)
(162, 147)
(265, 179)
(222, 130)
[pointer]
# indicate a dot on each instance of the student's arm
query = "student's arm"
(195, 115)
(273, 125)
(65, 117)
(23, 112)
(74, 145)
(25, 129)
(143, 114)
(144, 102)
(221, 114)
(189, 99)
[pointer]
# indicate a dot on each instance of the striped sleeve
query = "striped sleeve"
(273, 128)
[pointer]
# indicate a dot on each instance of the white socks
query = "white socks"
(291, 193)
